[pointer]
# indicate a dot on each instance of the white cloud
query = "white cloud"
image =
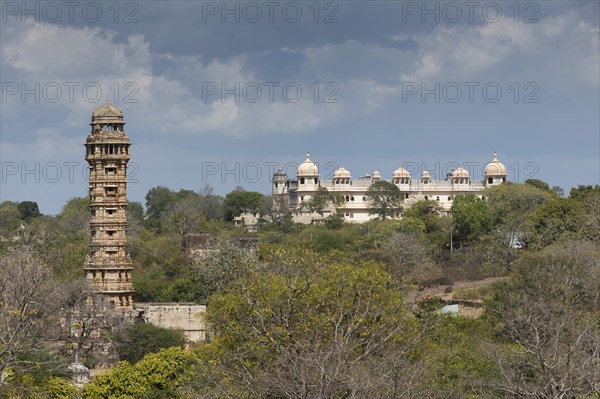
(561, 48)
(552, 49)
(167, 103)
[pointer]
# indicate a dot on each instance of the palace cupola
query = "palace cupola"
(280, 182)
(308, 175)
(460, 176)
(425, 177)
(494, 172)
(401, 176)
(342, 176)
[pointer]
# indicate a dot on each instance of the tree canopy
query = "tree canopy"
(237, 202)
(472, 217)
(384, 199)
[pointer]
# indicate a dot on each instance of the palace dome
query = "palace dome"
(342, 172)
(460, 172)
(308, 168)
(401, 172)
(495, 168)
(376, 175)
(279, 172)
(425, 174)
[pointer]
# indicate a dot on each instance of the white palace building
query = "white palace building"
(355, 207)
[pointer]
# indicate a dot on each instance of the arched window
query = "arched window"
(490, 180)
(302, 180)
(316, 181)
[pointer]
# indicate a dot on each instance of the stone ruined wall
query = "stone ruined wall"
(198, 246)
(188, 317)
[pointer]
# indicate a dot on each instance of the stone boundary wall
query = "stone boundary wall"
(188, 317)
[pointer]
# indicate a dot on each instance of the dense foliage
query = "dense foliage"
(133, 342)
(322, 311)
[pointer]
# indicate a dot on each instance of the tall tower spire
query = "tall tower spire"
(108, 266)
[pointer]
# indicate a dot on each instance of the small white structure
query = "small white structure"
(80, 373)
(450, 309)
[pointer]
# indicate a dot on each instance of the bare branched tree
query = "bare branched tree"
(29, 302)
(549, 314)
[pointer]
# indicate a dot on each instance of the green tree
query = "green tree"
(384, 199)
(300, 326)
(184, 215)
(28, 210)
(456, 362)
(512, 206)
(580, 192)
(38, 385)
(75, 215)
(335, 221)
(215, 272)
(542, 185)
(558, 191)
(210, 205)
(555, 218)
(237, 202)
(159, 264)
(135, 217)
(59, 388)
(10, 219)
(472, 217)
(157, 200)
(157, 375)
(276, 215)
(320, 199)
(134, 342)
(428, 212)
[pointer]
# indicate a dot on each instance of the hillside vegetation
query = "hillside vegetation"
(335, 310)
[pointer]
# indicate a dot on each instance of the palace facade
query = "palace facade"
(295, 193)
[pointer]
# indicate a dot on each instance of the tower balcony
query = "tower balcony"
(112, 285)
(108, 178)
(108, 265)
(108, 221)
(99, 157)
(108, 200)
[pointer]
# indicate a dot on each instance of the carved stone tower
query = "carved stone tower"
(108, 266)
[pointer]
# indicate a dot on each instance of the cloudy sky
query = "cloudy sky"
(219, 92)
